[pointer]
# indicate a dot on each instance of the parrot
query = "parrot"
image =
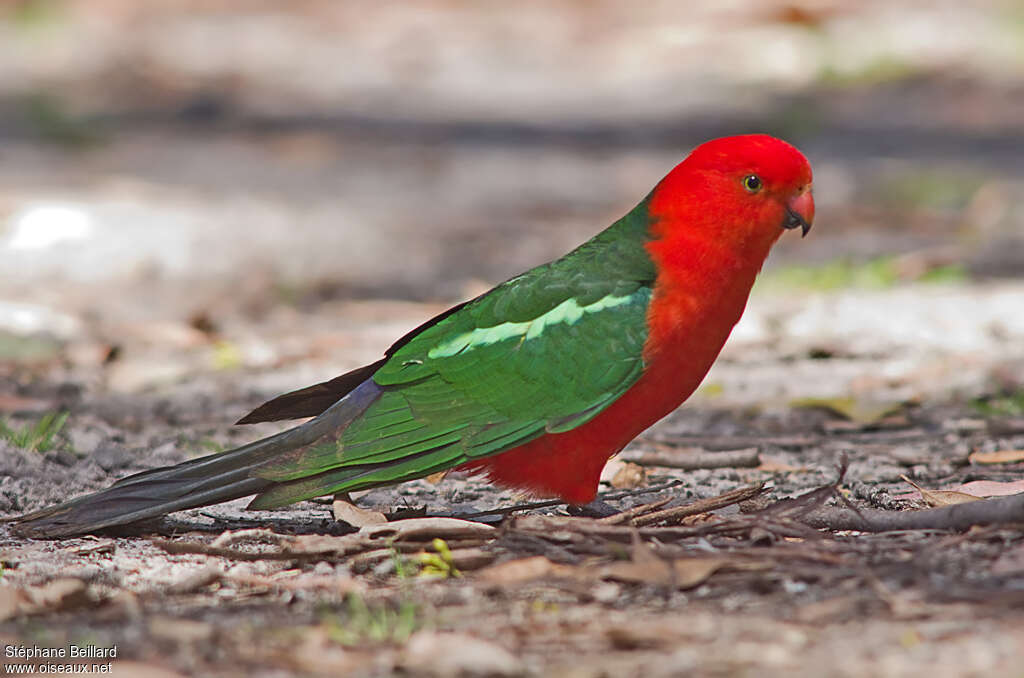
(532, 385)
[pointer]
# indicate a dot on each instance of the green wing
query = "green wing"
(541, 353)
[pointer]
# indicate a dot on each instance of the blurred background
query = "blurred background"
(194, 191)
(206, 203)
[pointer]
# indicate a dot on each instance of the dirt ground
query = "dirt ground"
(197, 214)
(769, 597)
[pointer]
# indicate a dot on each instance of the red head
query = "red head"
(737, 192)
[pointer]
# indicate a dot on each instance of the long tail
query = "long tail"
(199, 482)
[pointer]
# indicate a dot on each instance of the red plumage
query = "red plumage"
(711, 237)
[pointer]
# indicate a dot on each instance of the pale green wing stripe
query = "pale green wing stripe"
(568, 312)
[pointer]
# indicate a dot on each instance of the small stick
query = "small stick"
(509, 509)
(700, 506)
(629, 514)
(179, 547)
(694, 459)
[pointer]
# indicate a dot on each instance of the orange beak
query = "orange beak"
(800, 212)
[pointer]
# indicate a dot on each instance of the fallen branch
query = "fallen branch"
(997, 511)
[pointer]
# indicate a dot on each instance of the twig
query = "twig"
(510, 509)
(699, 506)
(99, 546)
(629, 514)
(693, 459)
(793, 509)
(176, 547)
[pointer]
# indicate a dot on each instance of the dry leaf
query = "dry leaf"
(610, 468)
(1000, 457)
(657, 572)
(11, 602)
(471, 558)
(425, 529)
(60, 594)
(691, 572)
(435, 478)
(195, 579)
(629, 476)
(324, 544)
(991, 488)
(647, 567)
(458, 654)
(684, 573)
(317, 653)
(937, 498)
(518, 571)
(57, 595)
(356, 517)
(857, 410)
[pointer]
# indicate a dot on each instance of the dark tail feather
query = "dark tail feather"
(149, 495)
(312, 400)
(199, 482)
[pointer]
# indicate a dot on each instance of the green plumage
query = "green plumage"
(541, 353)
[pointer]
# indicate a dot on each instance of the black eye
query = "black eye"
(752, 183)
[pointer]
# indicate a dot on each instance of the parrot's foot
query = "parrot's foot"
(595, 509)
